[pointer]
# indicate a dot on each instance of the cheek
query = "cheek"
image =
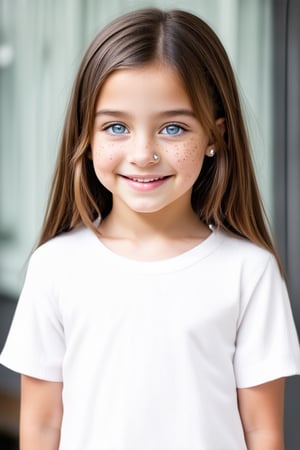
(105, 161)
(188, 157)
(104, 155)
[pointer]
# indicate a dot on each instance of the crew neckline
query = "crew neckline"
(178, 262)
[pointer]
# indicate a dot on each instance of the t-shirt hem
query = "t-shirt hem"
(256, 376)
(34, 372)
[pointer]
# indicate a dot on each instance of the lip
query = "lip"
(145, 182)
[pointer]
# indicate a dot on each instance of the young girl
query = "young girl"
(154, 315)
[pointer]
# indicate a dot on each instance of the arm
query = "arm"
(41, 414)
(261, 410)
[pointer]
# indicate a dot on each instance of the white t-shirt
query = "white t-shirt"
(151, 353)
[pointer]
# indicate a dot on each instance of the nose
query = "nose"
(143, 152)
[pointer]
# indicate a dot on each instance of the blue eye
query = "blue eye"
(117, 129)
(172, 130)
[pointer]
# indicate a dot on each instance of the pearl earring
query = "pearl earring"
(212, 152)
(155, 157)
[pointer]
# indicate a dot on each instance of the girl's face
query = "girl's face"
(141, 112)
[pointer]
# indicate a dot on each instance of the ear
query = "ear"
(212, 148)
(221, 125)
(89, 153)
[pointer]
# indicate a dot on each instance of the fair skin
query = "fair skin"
(142, 111)
(41, 414)
(261, 410)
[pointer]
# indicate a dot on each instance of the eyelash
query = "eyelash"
(180, 129)
(109, 129)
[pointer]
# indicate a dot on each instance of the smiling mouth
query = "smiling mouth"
(146, 180)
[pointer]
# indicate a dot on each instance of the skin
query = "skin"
(41, 414)
(140, 112)
(261, 409)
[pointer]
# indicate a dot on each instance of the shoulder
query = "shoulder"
(61, 259)
(244, 256)
(65, 246)
(240, 246)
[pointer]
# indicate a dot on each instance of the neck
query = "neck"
(152, 236)
(137, 226)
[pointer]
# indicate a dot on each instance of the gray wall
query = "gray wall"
(287, 174)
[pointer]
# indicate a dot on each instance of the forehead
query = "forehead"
(154, 86)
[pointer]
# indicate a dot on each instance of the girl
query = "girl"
(154, 315)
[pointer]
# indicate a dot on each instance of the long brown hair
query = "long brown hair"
(225, 193)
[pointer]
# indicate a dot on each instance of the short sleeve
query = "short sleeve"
(267, 344)
(35, 343)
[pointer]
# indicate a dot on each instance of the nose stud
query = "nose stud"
(155, 157)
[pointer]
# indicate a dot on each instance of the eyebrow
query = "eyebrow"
(173, 112)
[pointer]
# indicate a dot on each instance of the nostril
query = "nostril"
(144, 158)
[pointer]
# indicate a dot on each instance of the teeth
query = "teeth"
(145, 180)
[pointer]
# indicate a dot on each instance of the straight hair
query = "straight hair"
(225, 193)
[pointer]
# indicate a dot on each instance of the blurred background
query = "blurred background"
(41, 45)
